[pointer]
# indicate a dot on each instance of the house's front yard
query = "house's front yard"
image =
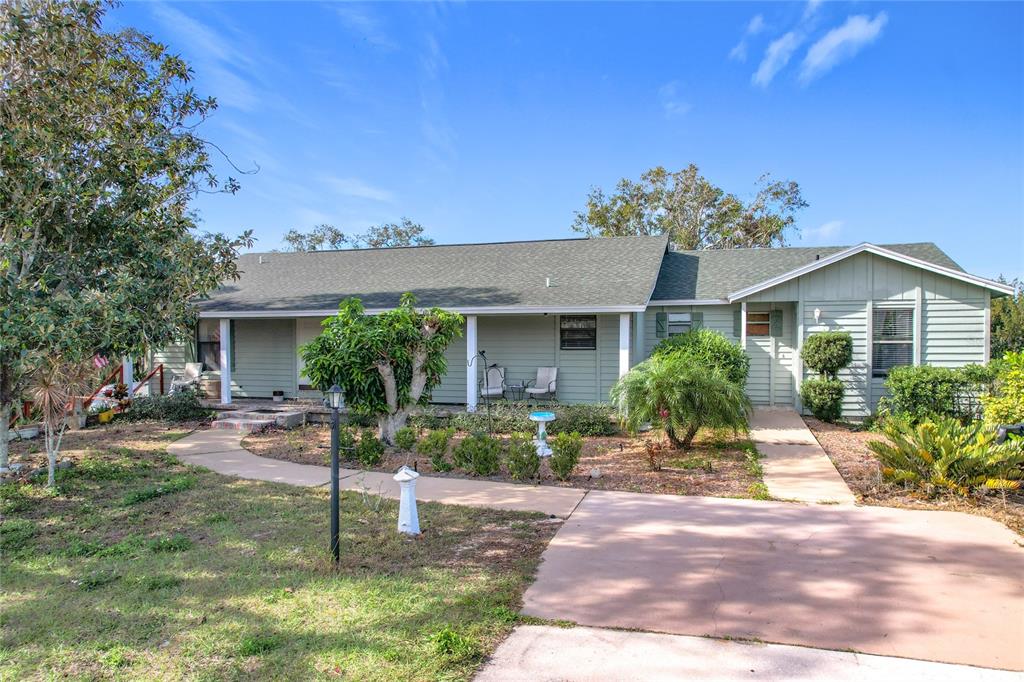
(720, 464)
(142, 567)
(860, 468)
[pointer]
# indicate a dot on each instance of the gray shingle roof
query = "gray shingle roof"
(707, 275)
(605, 273)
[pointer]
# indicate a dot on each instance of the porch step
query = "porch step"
(243, 425)
(282, 417)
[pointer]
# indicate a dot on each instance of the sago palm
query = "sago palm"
(680, 397)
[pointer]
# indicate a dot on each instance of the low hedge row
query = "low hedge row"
(512, 417)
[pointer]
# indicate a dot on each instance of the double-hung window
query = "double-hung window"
(892, 339)
(679, 323)
(578, 332)
(208, 344)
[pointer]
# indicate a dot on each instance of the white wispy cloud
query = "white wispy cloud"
(672, 102)
(754, 27)
(362, 22)
(826, 232)
(778, 54)
(811, 8)
(354, 187)
(841, 43)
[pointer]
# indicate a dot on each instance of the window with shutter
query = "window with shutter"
(758, 324)
(578, 332)
(679, 323)
(208, 344)
(892, 339)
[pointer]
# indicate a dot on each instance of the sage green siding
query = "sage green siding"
(264, 358)
(452, 389)
(173, 358)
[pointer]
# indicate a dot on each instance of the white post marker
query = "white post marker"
(408, 518)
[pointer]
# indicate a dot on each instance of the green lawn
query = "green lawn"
(141, 567)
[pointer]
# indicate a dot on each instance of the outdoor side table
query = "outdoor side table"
(516, 390)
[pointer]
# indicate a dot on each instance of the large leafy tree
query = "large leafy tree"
(99, 159)
(385, 363)
(694, 213)
(386, 235)
(1008, 321)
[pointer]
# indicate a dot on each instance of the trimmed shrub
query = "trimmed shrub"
(405, 438)
(1006, 404)
(177, 407)
(523, 461)
(565, 454)
(369, 449)
(927, 392)
(946, 456)
(513, 417)
(827, 352)
(708, 348)
(434, 446)
(478, 454)
(823, 397)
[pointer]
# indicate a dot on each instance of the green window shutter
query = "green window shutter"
(231, 347)
(696, 320)
(661, 325)
(736, 323)
(775, 322)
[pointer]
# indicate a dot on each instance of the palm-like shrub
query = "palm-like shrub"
(945, 455)
(708, 348)
(679, 396)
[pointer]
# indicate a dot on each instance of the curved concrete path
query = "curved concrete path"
(222, 451)
(795, 465)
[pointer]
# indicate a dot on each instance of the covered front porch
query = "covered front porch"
(251, 357)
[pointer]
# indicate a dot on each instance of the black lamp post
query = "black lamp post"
(334, 400)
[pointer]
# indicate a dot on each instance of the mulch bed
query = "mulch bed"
(621, 460)
(848, 450)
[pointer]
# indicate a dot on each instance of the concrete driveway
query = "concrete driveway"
(938, 586)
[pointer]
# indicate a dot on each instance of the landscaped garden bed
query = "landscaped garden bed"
(719, 465)
(138, 566)
(847, 447)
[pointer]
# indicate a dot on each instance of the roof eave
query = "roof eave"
(878, 251)
(464, 310)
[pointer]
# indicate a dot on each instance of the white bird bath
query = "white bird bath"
(408, 518)
(541, 441)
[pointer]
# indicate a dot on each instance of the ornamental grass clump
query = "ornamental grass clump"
(434, 446)
(565, 454)
(946, 456)
(522, 459)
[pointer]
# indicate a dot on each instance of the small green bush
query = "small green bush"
(405, 438)
(828, 352)
(1006, 404)
(523, 461)
(927, 392)
(346, 443)
(435, 446)
(823, 397)
(565, 454)
(708, 348)
(172, 485)
(369, 449)
(183, 406)
(478, 454)
(946, 456)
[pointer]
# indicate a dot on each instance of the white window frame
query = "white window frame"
(678, 323)
(877, 340)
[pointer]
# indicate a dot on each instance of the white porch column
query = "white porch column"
(225, 361)
(471, 363)
(624, 344)
(128, 370)
(743, 325)
(639, 343)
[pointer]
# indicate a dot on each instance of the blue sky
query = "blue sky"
(483, 122)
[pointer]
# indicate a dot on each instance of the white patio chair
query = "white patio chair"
(545, 385)
(493, 384)
(190, 379)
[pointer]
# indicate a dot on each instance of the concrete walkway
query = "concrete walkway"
(795, 466)
(221, 451)
(940, 586)
(581, 654)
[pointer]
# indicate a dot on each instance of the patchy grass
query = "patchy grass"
(716, 466)
(230, 579)
(847, 447)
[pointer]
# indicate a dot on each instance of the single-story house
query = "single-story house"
(595, 307)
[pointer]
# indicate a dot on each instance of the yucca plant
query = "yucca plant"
(680, 396)
(55, 385)
(945, 455)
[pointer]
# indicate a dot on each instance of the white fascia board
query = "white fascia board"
(504, 310)
(878, 251)
(690, 301)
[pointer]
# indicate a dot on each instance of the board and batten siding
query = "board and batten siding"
(264, 358)
(951, 316)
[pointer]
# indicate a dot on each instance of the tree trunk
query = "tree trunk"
(672, 437)
(51, 456)
(388, 425)
(5, 421)
(688, 438)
